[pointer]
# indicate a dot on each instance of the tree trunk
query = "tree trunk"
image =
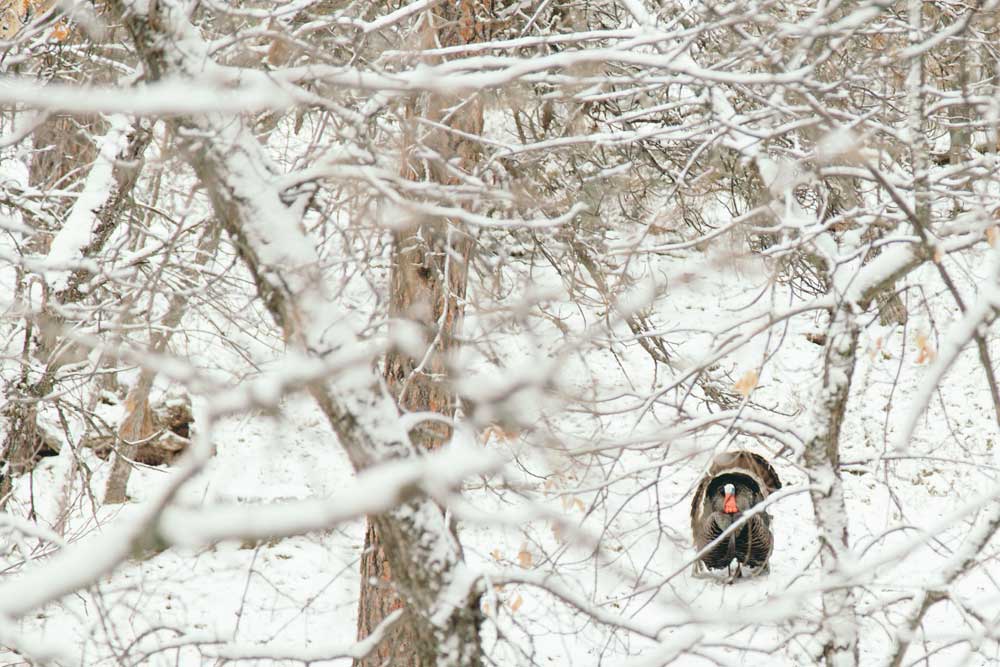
(427, 288)
(135, 427)
(427, 568)
(822, 459)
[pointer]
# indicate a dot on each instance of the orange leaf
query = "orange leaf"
(516, 603)
(747, 383)
(524, 557)
(926, 350)
(59, 32)
(991, 236)
(496, 554)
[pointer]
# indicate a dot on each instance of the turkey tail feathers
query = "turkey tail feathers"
(752, 543)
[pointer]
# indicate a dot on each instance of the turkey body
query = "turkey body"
(753, 479)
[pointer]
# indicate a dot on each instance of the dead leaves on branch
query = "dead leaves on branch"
(513, 602)
(524, 557)
(526, 560)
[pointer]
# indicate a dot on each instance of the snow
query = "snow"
(375, 491)
(263, 467)
(573, 512)
(670, 651)
(320, 651)
(836, 145)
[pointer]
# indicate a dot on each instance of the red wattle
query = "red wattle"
(730, 505)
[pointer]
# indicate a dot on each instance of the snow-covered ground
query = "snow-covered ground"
(594, 502)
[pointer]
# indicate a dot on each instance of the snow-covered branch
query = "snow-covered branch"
(377, 489)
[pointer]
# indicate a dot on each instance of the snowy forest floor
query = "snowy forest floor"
(633, 503)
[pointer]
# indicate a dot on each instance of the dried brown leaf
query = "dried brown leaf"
(747, 383)
(926, 352)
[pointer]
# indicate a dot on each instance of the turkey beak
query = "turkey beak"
(730, 506)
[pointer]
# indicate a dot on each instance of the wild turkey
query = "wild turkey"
(735, 482)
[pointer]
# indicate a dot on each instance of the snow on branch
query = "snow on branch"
(561, 591)
(268, 231)
(211, 647)
(212, 87)
(668, 652)
(83, 563)
(31, 528)
(159, 524)
(68, 244)
(376, 490)
(162, 99)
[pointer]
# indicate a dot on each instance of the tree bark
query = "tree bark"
(427, 288)
(428, 284)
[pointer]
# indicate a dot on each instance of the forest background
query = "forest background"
(401, 333)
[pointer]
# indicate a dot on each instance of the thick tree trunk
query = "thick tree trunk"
(427, 287)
